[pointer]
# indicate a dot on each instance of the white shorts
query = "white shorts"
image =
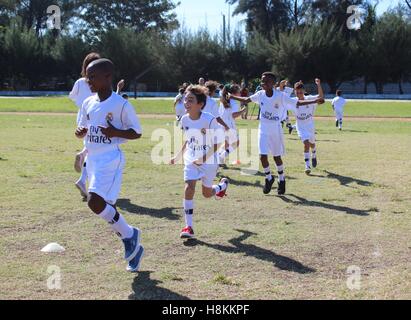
(271, 144)
(339, 114)
(231, 136)
(105, 175)
(307, 134)
(206, 173)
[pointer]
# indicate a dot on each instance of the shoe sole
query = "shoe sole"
(83, 193)
(187, 236)
(133, 255)
(139, 263)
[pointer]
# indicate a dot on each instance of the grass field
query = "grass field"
(353, 211)
(161, 106)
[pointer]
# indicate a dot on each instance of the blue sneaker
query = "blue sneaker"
(134, 264)
(132, 245)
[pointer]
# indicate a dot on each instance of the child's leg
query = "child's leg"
(280, 168)
(266, 167)
(189, 192)
(307, 153)
(109, 213)
(313, 147)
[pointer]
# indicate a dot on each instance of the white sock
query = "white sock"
(220, 187)
(117, 222)
(281, 175)
(188, 212)
(307, 158)
(268, 174)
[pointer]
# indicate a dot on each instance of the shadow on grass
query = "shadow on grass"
(280, 262)
(164, 213)
(343, 180)
(145, 288)
(299, 201)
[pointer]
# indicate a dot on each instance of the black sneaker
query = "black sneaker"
(336, 123)
(281, 188)
(290, 128)
(315, 163)
(268, 185)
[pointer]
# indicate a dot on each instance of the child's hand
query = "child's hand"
(173, 161)
(320, 101)
(317, 81)
(81, 132)
(198, 163)
(110, 131)
(120, 85)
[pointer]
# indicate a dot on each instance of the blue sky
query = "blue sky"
(200, 13)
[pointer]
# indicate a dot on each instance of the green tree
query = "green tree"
(139, 15)
(318, 50)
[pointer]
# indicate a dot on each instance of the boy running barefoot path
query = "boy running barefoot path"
(107, 120)
(273, 104)
(203, 137)
(305, 123)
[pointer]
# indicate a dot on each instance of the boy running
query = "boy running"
(305, 123)
(203, 137)
(338, 104)
(273, 104)
(106, 121)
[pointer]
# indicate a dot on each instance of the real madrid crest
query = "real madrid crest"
(109, 117)
(203, 131)
(276, 106)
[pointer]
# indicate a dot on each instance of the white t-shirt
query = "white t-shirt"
(201, 136)
(305, 115)
(227, 113)
(180, 108)
(212, 107)
(80, 92)
(118, 111)
(272, 109)
(339, 103)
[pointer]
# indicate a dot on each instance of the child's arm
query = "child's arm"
(221, 121)
(178, 156)
(239, 113)
(113, 132)
(320, 88)
(81, 132)
(241, 99)
(120, 86)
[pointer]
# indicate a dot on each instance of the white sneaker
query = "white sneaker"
(82, 188)
(223, 193)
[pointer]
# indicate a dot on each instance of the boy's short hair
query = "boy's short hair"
(93, 56)
(181, 90)
(339, 93)
(105, 65)
(270, 75)
(234, 88)
(200, 93)
(299, 85)
(211, 86)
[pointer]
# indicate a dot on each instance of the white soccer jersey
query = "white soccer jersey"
(212, 107)
(227, 113)
(116, 110)
(80, 92)
(201, 136)
(305, 115)
(180, 108)
(272, 110)
(339, 103)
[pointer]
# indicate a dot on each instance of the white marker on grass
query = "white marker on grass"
(53, 248)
